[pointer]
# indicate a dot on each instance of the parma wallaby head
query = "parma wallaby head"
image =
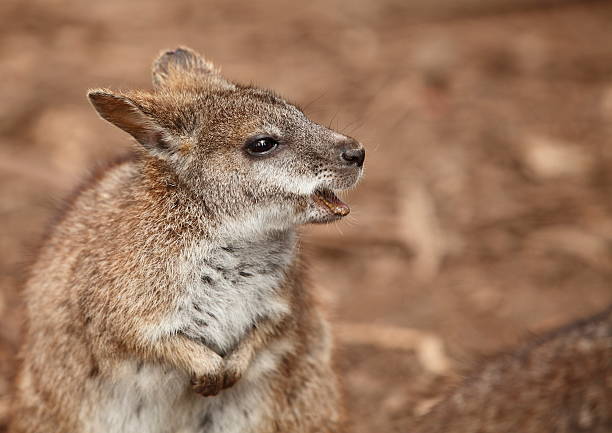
(246, 153)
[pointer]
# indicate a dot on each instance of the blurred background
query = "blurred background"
(485, 215)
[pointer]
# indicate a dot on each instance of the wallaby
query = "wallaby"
(170, 297)
(561, 383)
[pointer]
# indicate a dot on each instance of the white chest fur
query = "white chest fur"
(146, 398)
(224, 289)
(227, 288)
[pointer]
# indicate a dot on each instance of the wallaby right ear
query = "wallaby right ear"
(126, 114)
(185, 67)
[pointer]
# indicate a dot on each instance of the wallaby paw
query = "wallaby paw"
(211, 384)
(208, 385)
(230, 377)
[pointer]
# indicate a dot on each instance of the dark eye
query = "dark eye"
(261, 145)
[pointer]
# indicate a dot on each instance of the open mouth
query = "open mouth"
(326, 199)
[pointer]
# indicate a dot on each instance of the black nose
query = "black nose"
(354, 156)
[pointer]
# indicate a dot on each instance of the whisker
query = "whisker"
(314, 100)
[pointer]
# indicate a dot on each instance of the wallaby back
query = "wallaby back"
(561, 383)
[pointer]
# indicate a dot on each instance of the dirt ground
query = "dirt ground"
(485, 215)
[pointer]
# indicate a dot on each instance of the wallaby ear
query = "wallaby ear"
(185, 67)
(124, 113)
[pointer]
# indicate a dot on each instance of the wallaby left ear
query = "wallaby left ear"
(126, 114)
(184, 67)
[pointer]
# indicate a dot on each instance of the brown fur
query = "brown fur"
(561, 383)
(107, 279)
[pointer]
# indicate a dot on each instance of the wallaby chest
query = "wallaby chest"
(224, 288)
(228, 287)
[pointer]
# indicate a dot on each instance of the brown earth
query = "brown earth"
(486, 212)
